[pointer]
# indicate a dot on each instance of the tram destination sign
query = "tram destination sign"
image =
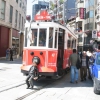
(43, 16)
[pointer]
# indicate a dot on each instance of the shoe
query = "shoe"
(89, 77)
(31, 87)
(76, 81)
(84, 79)
(71, 82)
(81, 80)
(27, 87)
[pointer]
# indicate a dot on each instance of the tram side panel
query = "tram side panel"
(67, 53)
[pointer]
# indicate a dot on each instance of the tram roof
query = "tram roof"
(49, 24)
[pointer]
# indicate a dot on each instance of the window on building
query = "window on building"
(11, 14)
(95, 25)
(91, 25)
(87, 15)
(20, 4)
(22, 22)
(86, 4)
(19, 20)
(80, 38)
(91, 14)
(91, 2)
(16, 16)
(81, 1)
(2, 9)
(17, 1)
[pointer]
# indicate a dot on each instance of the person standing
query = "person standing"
(11, 54)
(83, 69)
(7, 54)
(72, 62)
(88, 55)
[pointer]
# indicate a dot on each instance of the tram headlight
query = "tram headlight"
(36, 60)
(41, 53)
(32, 53)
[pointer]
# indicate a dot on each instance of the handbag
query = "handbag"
(78, 63)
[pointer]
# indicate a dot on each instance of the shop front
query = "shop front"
(4, 40)
(15, 42)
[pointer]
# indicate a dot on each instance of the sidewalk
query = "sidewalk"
(10, 74)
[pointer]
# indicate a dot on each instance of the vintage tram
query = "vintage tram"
(49, 42)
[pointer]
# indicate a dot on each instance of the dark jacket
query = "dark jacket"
(11, 52)
(33, 71)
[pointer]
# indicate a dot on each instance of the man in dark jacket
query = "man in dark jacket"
(11, 54)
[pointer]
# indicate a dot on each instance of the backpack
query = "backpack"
(78, 63)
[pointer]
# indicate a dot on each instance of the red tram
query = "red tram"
(51, 43)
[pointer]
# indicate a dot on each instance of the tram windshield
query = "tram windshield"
(42, 37)
(50, 37)
(33, 38)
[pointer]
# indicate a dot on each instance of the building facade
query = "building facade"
(80, 18)
(37, 7)
(12, 20)
(62, 10)
(97, 14)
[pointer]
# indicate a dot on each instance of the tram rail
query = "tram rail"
(38, 89)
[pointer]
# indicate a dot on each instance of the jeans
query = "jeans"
(74, 73)
(29, 81)
(83, 72)
(7, 56)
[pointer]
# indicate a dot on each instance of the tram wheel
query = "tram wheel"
(48, 77)
(60, 72)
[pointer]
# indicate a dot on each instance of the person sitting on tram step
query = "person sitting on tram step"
(32, 75)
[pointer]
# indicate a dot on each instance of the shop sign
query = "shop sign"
(94, 34)
(82, 13)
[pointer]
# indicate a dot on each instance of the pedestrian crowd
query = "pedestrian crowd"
(79, 61)
(9, 54)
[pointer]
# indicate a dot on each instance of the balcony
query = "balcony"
(98, 14)
(98, 19)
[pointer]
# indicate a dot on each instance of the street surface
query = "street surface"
(13, 87)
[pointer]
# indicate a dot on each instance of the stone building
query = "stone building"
(12, 20)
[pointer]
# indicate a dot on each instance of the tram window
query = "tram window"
(42, 37)
(72, 43)
(33, 38)
(55, 40)
(50, 37)
(69, 44)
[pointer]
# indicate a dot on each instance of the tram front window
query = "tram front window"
(42, 37)
(33, 38)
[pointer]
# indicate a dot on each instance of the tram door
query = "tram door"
(61, 36)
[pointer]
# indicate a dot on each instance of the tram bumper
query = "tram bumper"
(25, 69)
(24, 72)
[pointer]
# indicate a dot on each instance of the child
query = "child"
(32, 75)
